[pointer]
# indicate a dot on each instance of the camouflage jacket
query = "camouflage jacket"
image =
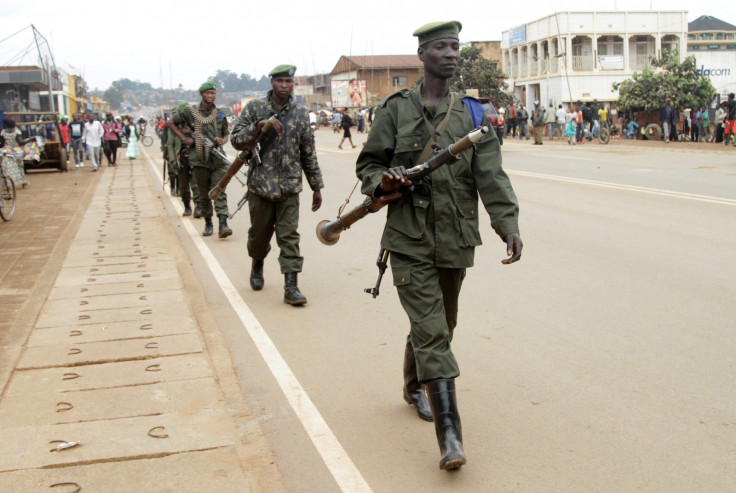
(282, 158)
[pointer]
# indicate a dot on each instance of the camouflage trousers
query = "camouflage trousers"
(429, 296)
(282, 217)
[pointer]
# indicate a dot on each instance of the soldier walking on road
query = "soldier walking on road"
(178, 157)
(210, 127)
(274, 184)
(432, 233)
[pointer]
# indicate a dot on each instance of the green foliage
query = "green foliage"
(476, 72)
(682, 82)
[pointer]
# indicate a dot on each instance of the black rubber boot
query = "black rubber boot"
(225, 231)
(413, 390)
(197, 212)
(256, 275)
(173, 188)
(187, 208)
(207, 227)
(292, 295)
(441, 393)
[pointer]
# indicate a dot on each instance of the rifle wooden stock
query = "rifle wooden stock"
(328, 232)
(239, 161)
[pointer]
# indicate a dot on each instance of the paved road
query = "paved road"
(602, 361)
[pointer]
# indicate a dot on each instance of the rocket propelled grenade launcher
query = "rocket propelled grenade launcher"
(328, 232)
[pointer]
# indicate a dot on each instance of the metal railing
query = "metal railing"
(582, 63)
(641, 62)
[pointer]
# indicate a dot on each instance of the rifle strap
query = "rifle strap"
(434, 133)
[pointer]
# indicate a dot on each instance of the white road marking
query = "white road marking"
(631, 188)
(347, 476)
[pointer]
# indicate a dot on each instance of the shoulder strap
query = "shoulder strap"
(434, 133)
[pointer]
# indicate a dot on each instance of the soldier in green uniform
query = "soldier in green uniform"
(172, 167)
(274, 184)
(210, 127)
(432, 233)
(179, 155)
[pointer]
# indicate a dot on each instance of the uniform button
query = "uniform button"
(421, 202)
(402, 279)
(416, 145)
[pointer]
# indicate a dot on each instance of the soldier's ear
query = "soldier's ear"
(420, 53)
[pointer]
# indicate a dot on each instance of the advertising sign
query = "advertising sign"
(517, 35)
(348, 93)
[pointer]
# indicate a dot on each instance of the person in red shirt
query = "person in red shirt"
(64, 131)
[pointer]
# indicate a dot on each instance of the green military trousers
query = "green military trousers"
(188, 187)
(282, 217)
(207, 177)
(429, 295)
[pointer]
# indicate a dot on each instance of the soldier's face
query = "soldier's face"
(440, 57)
(282, 86)
(208, 96)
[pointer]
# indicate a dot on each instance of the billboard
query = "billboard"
(349, 93)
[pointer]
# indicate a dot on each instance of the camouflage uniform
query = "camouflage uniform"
(188, 187)
(208, 173)
(274, 186)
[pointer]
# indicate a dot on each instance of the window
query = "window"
(400, 81)
(731, 47)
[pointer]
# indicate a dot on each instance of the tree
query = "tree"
(681, 82)
(475, 72)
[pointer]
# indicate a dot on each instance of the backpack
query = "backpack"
(587, 114)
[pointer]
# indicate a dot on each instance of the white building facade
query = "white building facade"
(571, 56)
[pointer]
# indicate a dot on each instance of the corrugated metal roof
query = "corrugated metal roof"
(386, 61)
(709, 23)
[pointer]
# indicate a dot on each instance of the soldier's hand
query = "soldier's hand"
(277, 126)
(219, 141)
(513, 248)
(188, 141)
(394, 178)
(316, 200)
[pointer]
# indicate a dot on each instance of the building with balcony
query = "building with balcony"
(571, 56)
(379, 77)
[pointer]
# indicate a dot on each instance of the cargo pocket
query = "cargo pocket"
(407, 150)
(468, 218)
(402, 277)
(408, 217)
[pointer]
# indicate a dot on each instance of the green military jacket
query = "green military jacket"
(439, 220)
(211, 130)
(283, 158)
(173, 144)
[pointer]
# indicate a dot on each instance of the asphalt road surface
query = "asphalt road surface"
(602, 361)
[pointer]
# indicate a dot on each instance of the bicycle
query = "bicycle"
(7, 188)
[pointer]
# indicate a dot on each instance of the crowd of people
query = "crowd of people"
(582, 121)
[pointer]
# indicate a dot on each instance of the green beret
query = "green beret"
(207, 86)
(283, 71)
(181, 106)
(436, 30)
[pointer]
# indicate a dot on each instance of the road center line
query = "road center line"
(347, 476)
(631, 188)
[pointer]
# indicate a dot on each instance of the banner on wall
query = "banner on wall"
(349, 93)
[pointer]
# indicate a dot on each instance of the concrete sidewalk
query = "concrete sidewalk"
(122, 355)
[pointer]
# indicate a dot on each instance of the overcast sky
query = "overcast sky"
(167, 43)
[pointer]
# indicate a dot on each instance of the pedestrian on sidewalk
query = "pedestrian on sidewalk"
(431, 245)
(538, 123)
(13, 143)
(131, 133)
(561, 121)
(273, 201)
(76, 130)
(571, 130)
(64, 131)
(522, 120)
(210, 128)
(667, 119)
(110, 139)
(719, 119)
(550, 121)
(92, 138)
